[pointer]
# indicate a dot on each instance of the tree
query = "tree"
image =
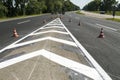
(118, 7)
(108, 5)
(22, 7)
(9, 5)
(35, 7)
(93, 5)
(3, 10)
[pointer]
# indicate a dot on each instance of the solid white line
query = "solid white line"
(19, 59)
(28, 42)
(83, 69)
(87, 54)
(42, 39)
(106, 27)
(53, 27)
(24, 22)
(50, 31)
(63, 41)
(80, 68)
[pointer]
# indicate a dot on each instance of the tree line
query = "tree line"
(102, 5)
(10, 8)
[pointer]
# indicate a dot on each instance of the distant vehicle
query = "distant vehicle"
(102, 12)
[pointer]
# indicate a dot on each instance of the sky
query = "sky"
(82, 3)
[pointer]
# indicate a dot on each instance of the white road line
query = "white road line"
(50, 31)
(19, 59)
(53, 27)
(97, 74)
(24, 22)
(54, 24)
(83, 69)
(80, 68)
(87, 54)
(42, 39)
(106, 27)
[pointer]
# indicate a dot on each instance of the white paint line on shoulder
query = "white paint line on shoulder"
(53, 27)
(19, 59)
(106, 27)
(80, 68)
(83, 69)
(42, 39)
(103, 74)
(50, 31)
(24, 22)
(28, 42)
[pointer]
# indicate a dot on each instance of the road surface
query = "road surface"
(105, 51)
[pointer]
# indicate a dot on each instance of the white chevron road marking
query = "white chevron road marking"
(80, 68)
(50, 31)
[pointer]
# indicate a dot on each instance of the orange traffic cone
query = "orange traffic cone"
(60, 17)
(15, 34)
(79, 23)
(44, 21)
(52, 17)
(101, 34)
(70, 20)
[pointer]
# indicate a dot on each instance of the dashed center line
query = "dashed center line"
(24, 22)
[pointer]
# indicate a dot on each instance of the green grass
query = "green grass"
(109, 13)
(78, 12)
(113, 19)
(16, 17)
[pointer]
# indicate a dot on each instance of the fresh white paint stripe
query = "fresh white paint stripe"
(50, 31)
(24, 22)
(63, 41)
(53, 27)
(106, 27)
(19, 59)
(95, 76)
(80, 68)
(42, 39)
(87, 54)
(28, 42)
(83, 69)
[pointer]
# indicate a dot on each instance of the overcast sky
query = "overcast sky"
(82, 3)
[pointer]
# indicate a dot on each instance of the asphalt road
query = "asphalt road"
(23, 27)
(106, 51)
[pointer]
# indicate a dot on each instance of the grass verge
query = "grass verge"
(108, 13)
(18, 17)
(113, 19)
(78, 12)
